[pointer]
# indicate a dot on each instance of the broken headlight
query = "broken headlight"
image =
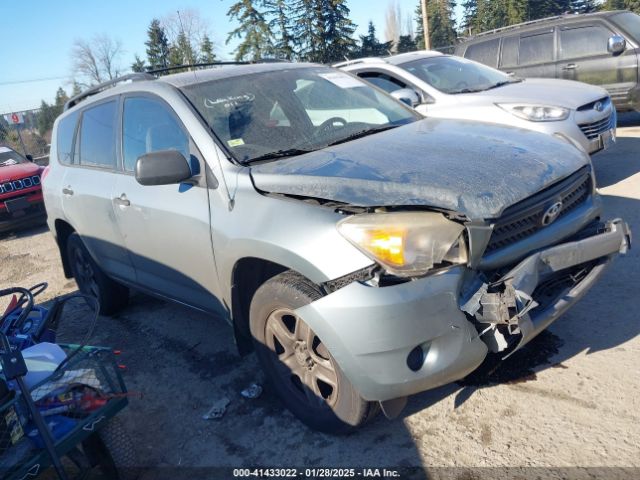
(407, 243)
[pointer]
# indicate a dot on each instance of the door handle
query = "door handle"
(67, 191)
(122, 201)
(570, 66)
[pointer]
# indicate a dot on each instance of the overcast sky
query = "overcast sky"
(37, 36)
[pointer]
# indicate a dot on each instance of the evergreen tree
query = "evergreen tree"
(281, 24)
(406, 43)
(304, 29)
(181, 52)
(615, 5)
(442, 31)
(157, 46)
(61, 99)
(469, 16)
(370, 46)
(206, 50)
(138, 64)
(253, 30)
(633, 5)
(338, 42)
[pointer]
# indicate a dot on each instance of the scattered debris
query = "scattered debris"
(254, 391)
(218, 410)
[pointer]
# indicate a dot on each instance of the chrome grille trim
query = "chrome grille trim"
(592, 130)
(524, 219)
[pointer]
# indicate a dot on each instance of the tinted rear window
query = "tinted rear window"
(584, 41)
(66, 129)
(536, 48)
(97, 136)
(484, 52)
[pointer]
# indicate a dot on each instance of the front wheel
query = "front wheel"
(92, 280)
(299, 366)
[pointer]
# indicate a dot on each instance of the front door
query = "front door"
(165, 228)
(583, 56)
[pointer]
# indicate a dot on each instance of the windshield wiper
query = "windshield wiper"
(467, 90)
(362, 133)
(503, 83)
(290, 152)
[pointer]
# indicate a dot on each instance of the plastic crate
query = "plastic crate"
(90, 373)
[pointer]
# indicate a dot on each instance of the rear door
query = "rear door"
(86, 188)
(583, 56)
(536, 55)
(165, 228)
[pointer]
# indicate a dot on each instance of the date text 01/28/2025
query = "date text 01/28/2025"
(315, 473)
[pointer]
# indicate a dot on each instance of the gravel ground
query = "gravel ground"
(565, 407)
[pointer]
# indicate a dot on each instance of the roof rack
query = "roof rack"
(541, 20)
(133, 77)
(518, 25)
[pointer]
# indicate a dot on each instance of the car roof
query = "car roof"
(391, 60)
(228, 71)
(214, 72)
(533, 24)
(4, 149)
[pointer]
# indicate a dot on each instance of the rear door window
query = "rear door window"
(149, 125)
(584, 41)
(97, 136)
(484, 52)
(537, 48)
(66, 131)
(510, 47)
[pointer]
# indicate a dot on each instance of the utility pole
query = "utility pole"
(425, 26)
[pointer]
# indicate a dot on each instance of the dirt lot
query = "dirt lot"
(569, 400)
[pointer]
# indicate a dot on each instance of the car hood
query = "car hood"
(546, 91)
(472, 168)
(18, 171)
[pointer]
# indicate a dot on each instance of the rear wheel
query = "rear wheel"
(92, 280)
(299, 366)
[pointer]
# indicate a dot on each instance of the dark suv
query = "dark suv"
(598, 48)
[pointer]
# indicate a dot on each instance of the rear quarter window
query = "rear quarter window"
(64, 138)
(484, 52)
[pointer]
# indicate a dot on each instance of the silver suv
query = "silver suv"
(364, 253)
(445, 86)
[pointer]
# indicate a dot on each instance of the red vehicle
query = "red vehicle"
(21, 201)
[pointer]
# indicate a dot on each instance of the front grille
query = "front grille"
(21, 184)
(524, 219)
(589, 106)
(592, 130)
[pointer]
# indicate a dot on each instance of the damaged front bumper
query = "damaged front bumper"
(376, 334)
(530, 296)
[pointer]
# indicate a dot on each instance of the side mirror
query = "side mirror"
(165, 167)
(29, 157)
(408, 96)
(616, 45)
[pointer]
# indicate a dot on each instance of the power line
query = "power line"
(33, 80)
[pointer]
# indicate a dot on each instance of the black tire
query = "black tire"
(302, 377)
(91, 280)
(112, 451)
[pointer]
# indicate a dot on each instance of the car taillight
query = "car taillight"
(44, 173)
